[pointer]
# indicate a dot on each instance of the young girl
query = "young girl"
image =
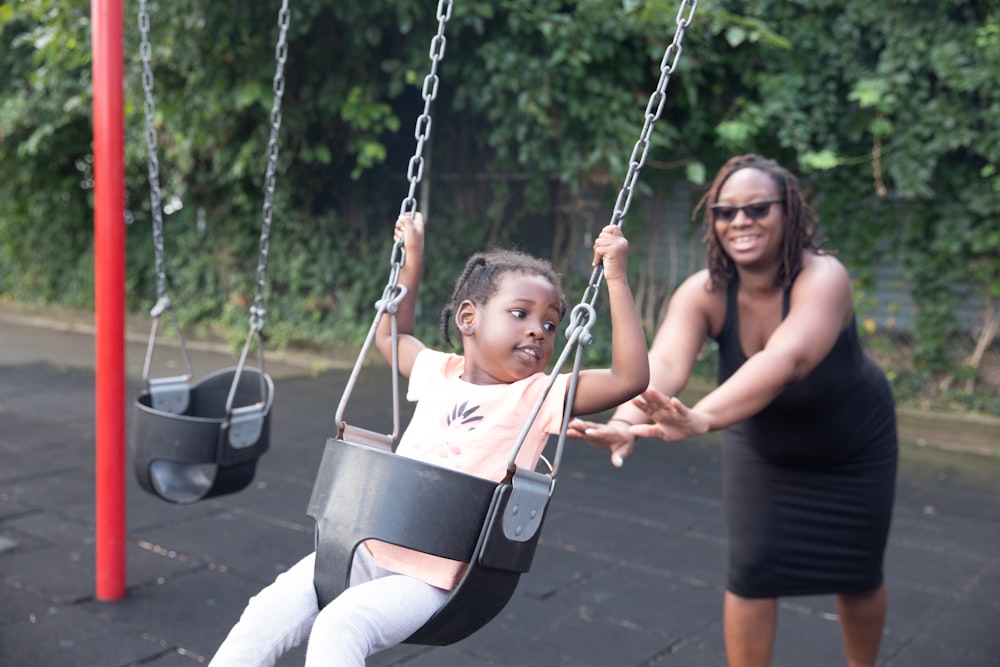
(506, 308)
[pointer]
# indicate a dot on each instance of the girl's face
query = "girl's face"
(749, 218)
(512, 335)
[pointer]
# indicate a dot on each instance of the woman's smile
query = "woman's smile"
(744, 242)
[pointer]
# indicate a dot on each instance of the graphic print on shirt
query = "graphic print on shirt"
(463, 419)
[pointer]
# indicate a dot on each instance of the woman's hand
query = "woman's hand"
(613, 436)
(672, 420)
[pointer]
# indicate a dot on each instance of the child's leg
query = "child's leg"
(275, 620)
(378, 611)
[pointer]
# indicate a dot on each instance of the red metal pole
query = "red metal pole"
(109, 295)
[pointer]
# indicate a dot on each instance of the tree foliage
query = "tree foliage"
(889, 111)
(893, 117)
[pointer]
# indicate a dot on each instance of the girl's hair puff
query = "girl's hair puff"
(480, 280)
(801, 222)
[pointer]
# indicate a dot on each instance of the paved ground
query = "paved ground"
(629, 571)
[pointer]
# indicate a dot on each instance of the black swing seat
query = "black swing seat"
(364, 491)
(186, 448)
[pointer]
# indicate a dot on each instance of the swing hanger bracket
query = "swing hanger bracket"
(582, 319)
(162, 305)
(391, 304)
(257, 314)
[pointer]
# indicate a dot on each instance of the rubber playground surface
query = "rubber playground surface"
(629, 571)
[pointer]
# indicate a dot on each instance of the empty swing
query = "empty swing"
(194, 440)
(363, 490)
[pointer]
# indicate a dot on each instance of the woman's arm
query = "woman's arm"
(671, 358)
(820, 306)
(678, 341)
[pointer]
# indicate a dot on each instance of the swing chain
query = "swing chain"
(155, 197)
(582, 316)
(415, 169)
(257, 310)
(163, 303)
(654, 108)
(392, 293)
(421, 132)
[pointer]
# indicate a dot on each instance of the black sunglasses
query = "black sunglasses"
(754, 210)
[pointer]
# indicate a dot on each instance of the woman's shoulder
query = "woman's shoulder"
(694, 300)
(698, 283)
(824, 280)
(822, 268)
(696, 290)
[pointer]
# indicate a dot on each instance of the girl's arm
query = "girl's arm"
(600, 389)
(411, 228)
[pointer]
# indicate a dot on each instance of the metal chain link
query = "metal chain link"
(654, 108)
(257, 310)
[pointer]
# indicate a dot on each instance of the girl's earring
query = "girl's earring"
(467, 330)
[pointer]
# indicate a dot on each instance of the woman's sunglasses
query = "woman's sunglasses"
(754, 210)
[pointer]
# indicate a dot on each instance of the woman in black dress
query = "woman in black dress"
(809, 452)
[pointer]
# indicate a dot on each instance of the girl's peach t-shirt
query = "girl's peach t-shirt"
(471, 428)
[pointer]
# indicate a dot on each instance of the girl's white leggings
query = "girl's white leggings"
(378, 611)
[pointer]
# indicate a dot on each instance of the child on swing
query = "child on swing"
(470, 408)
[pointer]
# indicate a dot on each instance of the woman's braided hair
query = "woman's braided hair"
(480, 280)
(801, 222)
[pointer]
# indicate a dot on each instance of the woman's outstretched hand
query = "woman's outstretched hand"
(672, 420)
(613, 436)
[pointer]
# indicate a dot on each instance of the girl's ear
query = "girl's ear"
(465, 318)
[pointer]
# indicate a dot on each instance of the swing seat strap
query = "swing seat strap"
(245, 425)
(170, 394)
(365, 437)
(530, 493)
(514, 523)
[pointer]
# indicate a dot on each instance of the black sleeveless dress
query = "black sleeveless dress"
(809, 482)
